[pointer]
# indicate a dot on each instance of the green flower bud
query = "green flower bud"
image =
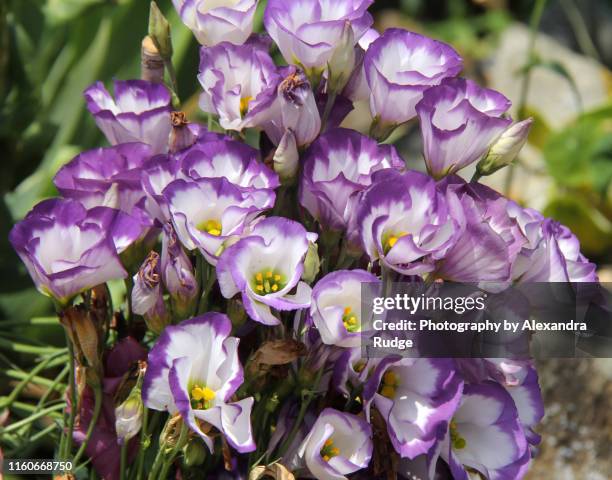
(159, 31)
(342, 61)
(286, 158)
(312, 263)
(505, 149)
(194, 453)
(128, 416)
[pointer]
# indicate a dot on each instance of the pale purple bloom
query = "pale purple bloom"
(140, 112)
(336, 307)
(107, 177)
(405, 223)
(157, 175)
(357, 88)
(399, 67)
(207, 211)
(265, 266)
(308, 32)
(337, 445)
(237, 162)
(294, 108)
(490, 240)
(177, 271)
(459, 123)
(337, 165)
(216, 21)
(68, 249)
(485, 435)
(416, 397)
(238, 82)
(194, 370)
(552, 253)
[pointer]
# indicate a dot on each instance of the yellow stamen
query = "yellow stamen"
(259, 288)
(388, 391)
(277, 278)
(326, 458)
(268, 274)
(274, 287)
(206, 394)
(259, 277)
(212, 227)
(329, 442)
(347, 310)
(390, 378)
(244, 105)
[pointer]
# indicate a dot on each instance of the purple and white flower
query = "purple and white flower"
(140, 112)
(336, 307)
(399, 67)
(265, 266)
(194, 370)
(207, 211)
(336, 166)
(216, 21)
(485, 435)
(337, 445)
(107, 177)
(405, 223)
(68, 249)
(294, 108)
(160, 172)
(237, 162)
(351, 370)
(309, 31)
(459, 123)
(552, 253)
(416, 397)
(238, 82)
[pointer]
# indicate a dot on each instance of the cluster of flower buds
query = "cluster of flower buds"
(224, 246)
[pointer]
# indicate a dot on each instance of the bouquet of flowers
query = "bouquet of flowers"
(233, 350)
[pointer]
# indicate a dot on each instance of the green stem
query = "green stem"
(67, 445)
(169, 460)
(92, 422)
(331, 99)
(41, 413)
(24, 348)
(36, 321)
(143, 444)
(123, 461)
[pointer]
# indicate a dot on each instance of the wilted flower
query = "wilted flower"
(338, 444)
(107, 177)
(337, 165)
(177, 273)
(147, 295)
(205, 212)
(399, 67)
(294, 108)
(216, 21)
(238, 82)
(459, 123)
(336, 307)
(406, 223)
(309, 32)
(485, 435)
(415, 397)
(265, 266)
(506, 148)
(140, 112)
(68, 249)
(194, 370)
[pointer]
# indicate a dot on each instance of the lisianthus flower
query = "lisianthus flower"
(205, 212)
(216, 21)
(338, 444)
(308, 32)
(405, 223)
(237, 162)
(352, 370)
(399, 67)
(160, 172)
(459, 123)
(194, 370)
(105, 176)
(238, 82)
(552, 253)
(415, 397)
(490, 240)
(337, 165)
(485, 435)
(140, 112)
(68, 249)
(294, 108)
(265, 267)
(336, 307)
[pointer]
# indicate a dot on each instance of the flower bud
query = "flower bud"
(128, 416)
(159, 31)
(236, 312)
(286, 158)
(181, 137)
(312, 263)
(194, 453)
(342, 62)
(84, 335)
(506, 148)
